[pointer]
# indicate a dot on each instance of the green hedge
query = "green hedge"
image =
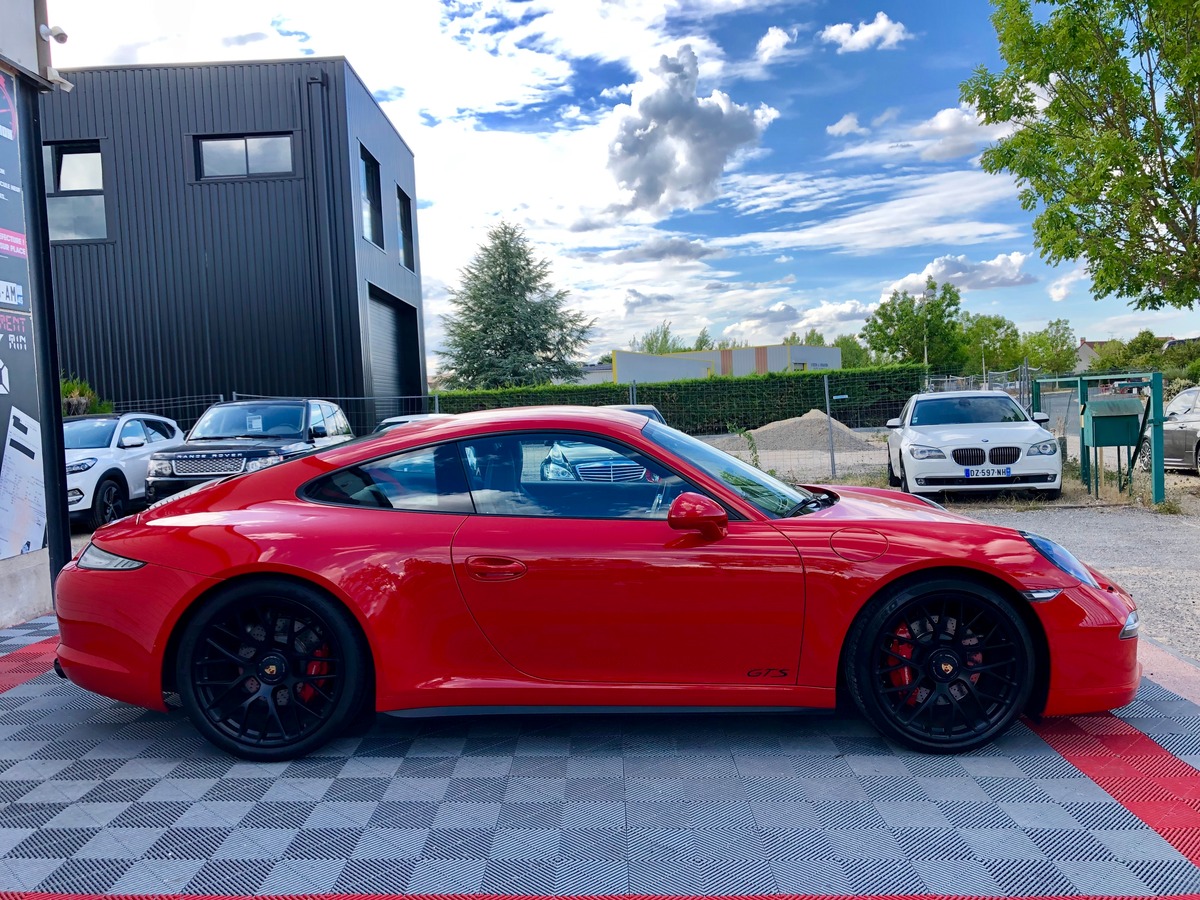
(714, 405)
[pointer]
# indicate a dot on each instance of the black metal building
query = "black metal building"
(244, 227)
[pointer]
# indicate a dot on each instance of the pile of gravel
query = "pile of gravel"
(807, 432)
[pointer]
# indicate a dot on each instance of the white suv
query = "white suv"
(107, 456)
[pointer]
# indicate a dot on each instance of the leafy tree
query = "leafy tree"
(921, 328)
(658, 340)
(793, 339)
(731, 344)
(605, 359)
(1143, 343)
(854, 354)
(511, 327)
(814, 338)
(704, 340)
(1110, 355)
(1052, 349)
(991, 342)
(1103, 97)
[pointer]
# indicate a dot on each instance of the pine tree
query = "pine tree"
(511, 327)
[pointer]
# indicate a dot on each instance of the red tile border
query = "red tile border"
(26, 664)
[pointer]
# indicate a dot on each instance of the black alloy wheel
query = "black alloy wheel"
(108, 503)
(943, 667)
(270, 670)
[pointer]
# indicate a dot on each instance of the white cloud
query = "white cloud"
(949, 134)
(847, 124)
(784, 259)
(892, 112)
(919, 209)
(882, 33)
(1005, 270)
(772, 324)
(1060, 288)
(671, 146)
(772, 44)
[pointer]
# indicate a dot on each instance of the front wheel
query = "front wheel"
(270, 670)
(1145, 463)
(108, 503)
(893, 481)
(904, 485)
(943, 666)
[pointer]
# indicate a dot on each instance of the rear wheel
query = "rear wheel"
(1145, 463)
(270, 670)
(943, 666)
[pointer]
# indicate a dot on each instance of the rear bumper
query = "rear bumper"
(114, 627)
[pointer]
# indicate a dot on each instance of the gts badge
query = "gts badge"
(767, 673)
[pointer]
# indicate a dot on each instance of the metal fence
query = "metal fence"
(789, 434)
(184, 410)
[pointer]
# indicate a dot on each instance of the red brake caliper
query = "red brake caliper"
(901, 652)
(306, 690)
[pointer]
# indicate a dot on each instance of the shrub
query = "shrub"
(78, 397)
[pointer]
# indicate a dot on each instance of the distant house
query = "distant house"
(1089, 350)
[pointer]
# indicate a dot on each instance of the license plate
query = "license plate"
(988, 472)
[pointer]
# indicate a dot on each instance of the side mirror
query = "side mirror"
(130, 443)
(893, 423)
(1041, 418)
(695, 512)
(318, 431)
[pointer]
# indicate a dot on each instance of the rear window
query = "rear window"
(430, 479)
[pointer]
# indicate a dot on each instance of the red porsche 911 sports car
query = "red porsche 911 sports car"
(434, 567)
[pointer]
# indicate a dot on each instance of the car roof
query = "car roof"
(935, 395)
(289, 400)
(114, 415)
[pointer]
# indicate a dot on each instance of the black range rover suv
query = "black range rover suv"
(244, 436)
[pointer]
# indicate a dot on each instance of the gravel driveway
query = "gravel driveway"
(1149, 554)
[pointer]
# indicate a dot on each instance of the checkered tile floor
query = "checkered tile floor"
(100, 797)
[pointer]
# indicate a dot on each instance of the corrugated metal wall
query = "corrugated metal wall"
(213, 287)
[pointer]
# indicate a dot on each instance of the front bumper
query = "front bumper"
(162, 487)
(1043, 473)
(1092, 668)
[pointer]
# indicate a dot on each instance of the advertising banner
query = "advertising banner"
(22, 484)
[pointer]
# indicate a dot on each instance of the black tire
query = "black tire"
(892, 479)
(942, 666)
(109, 503)
(1051, 495)
(270, 670)
(904, 486)
(1145, 463)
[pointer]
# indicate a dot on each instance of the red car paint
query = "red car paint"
(469, 610)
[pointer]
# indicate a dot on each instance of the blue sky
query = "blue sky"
(749, 166)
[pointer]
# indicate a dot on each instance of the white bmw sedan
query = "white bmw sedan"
(972, 441)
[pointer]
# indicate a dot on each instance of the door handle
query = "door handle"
(495, 568)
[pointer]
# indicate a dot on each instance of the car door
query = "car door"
(584, 581)
(133, 451)
(896, 435)
(1179, 428)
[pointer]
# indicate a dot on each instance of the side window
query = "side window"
(427, 480)
(157, 431)
(316, 418)
(133, 430)
(904, 412)
(1181, 404)
(344, 425)
(566, 475)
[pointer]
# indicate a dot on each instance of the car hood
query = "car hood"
(996, 434)
(90, 453)
(240, 445)
(865, 505)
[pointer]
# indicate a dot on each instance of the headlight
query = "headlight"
(80, 465)
(95, 558)
(160, 468)
(1130, 629)
(919, 452)
(556, 472)
(1045, 448)
(1061, 557)
(262, 462)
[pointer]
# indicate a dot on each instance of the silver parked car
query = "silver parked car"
(1181, 433)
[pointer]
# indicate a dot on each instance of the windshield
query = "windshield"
(967, 411)
(88, 434)
(251, 420)
(766, 493)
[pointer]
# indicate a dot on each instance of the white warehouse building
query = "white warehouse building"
(648, 368)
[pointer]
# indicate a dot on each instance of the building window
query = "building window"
(404, 210)
(246, 156)
(372, 204)
(75, 191)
